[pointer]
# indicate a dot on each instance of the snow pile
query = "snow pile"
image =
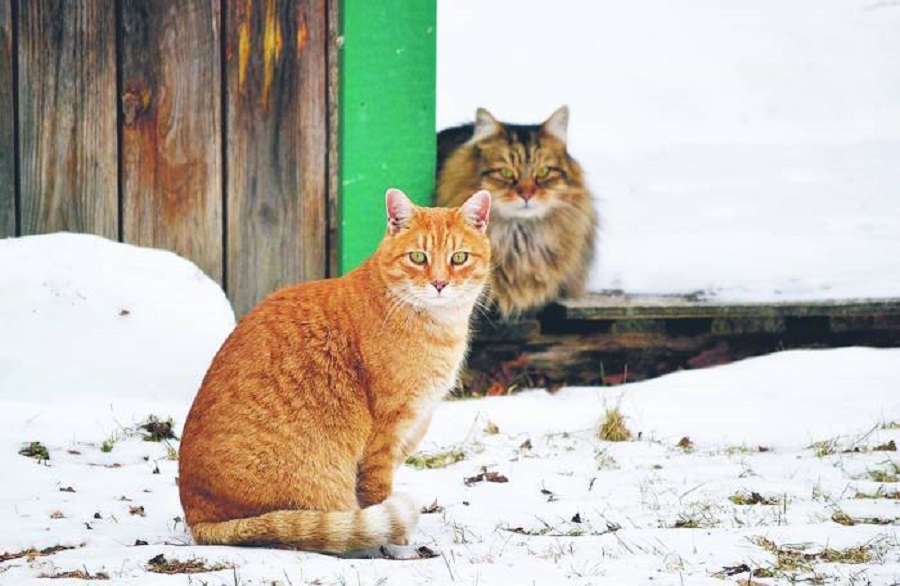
(746, 150)
(557, 505)
(789, 399)
(105, 330)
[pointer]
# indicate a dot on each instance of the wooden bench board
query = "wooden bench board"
(612, 306)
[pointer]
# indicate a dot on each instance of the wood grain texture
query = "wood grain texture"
(277, 146)
(661, 335)
(333, 48)
(597, 306)
(7, 125)
(67, 116)
(171, 129)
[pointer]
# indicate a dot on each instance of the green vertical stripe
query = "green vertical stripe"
(387, 114)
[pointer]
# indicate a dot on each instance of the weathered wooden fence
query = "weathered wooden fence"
(206, 127)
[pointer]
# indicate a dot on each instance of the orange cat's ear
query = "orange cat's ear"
(557, 124)
(485, 125)
(399, 210)
(477, 209)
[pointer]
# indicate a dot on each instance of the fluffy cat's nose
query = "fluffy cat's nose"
(525, 191)
(439, 285)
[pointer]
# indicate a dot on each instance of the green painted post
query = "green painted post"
(387, 136)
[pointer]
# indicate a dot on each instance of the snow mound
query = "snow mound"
(788, 399)
(89, 321)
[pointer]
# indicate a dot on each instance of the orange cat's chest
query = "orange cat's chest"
(424, 373)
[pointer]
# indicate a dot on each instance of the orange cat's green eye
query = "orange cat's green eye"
(459, 258)
(418, 257)
(507, 173)
(542, 172)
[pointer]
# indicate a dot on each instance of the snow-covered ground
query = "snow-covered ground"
(96, 336)
(745, 149)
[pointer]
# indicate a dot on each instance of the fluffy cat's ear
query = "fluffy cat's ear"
(557, 124)
(399, 210)
(477, 210)
(485, 125)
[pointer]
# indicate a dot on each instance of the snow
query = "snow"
(77, 373)
(744, 150)
(86, 322)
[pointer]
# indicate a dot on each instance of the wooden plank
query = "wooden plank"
(7, 124)
(606, 307)
(600, 352)
(277, 113)
(388, 114)
(333, 47)
(172, 129)
(67, 116)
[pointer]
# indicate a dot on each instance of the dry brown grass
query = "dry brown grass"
(161, 565)
(752, 498)
(793, 560)
(32, 553)
(612, 427)
(76, 575)
(424, 461)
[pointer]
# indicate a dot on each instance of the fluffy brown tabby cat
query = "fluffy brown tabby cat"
(544, 225)
(325, 387)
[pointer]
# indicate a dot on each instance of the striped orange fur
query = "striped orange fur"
(324, 388)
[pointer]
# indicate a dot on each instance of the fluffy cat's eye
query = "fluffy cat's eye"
(459, 258)
(418, 257)
(542, 172)
(507, 173)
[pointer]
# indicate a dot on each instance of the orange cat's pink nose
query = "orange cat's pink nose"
(439, 285)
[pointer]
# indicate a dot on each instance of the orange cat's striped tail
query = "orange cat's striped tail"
(324, 531)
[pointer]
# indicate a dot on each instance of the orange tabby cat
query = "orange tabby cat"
(325, 387)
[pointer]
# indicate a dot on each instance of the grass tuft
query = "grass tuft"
(789, 559)
(161, 565)
(879, 494)
(686, 444)
(32, 553)
(825, 448)
(424, 461)
(35, 450)
(157, 430)
(76, 575)
(891, 473)
(842, 518)
(752, 498)
(613, 428)
(694, 521)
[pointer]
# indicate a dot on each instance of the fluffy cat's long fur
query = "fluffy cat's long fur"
(325, 387)
(543, 227)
